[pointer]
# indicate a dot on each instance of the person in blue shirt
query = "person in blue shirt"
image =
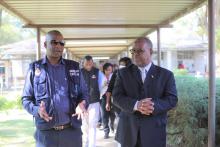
(56, 95)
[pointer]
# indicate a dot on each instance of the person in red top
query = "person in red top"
(181, 66)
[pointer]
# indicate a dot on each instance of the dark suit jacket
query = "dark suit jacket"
(160, 86)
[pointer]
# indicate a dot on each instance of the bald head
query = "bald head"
(142, 51)
(54, 45)
(145, 40)
(52, 33)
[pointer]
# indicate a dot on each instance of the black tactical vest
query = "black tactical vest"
(91, 78)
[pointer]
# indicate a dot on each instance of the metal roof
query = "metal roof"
(91, 20)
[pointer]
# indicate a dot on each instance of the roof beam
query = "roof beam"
(102, 38)
(175, 17)
(96, 49)
(97, 26)
(93, 53)
(14, 11)
(98, 46)
(179, 15)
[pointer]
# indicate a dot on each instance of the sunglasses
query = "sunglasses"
(54, 42)
(137, 51)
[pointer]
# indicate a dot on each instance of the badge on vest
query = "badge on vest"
(93, 77)
(74, 72)
(37, 72)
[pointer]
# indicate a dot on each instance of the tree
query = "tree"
(202, 16)
(11, 29)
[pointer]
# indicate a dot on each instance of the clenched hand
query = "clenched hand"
(146, 106)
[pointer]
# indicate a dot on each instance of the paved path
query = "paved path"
(101, 142)
(19, 141)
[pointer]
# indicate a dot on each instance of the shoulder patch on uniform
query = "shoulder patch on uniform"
(74, 72)
(37, 71)
(93, 77)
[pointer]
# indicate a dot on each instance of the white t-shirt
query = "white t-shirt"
(104, 84)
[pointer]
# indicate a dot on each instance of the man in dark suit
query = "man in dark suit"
(144, 92)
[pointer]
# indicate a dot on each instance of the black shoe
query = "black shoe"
(106, 136)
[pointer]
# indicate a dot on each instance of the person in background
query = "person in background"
(101, 63)
(145, 93)
(106, 115)
(93, 77)
(55, 93)
(115, 67)
(123, 62)
(181, 65)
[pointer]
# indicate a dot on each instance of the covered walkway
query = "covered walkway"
(115, 24)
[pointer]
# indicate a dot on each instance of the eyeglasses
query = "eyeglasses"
(137, 51)
(54, 42)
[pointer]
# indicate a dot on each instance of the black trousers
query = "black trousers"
(138, 143)
(106, 115)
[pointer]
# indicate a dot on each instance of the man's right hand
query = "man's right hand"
(108, 107)
(108, 100)
(43, 113)
(146, 106)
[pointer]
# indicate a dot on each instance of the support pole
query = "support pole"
(38, 53)
(212, 84)
(158, 47)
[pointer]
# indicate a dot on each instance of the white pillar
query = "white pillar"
(169, 60)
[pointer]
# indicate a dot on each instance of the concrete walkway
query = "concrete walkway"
(14, 137)
(101, 142)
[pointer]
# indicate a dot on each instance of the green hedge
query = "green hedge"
(6, 104)
(188, 123)
(180, 72)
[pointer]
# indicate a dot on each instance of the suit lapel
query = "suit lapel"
(151, 75)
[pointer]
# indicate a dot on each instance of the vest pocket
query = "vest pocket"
(40, 86)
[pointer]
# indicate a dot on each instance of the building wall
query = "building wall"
(193, 61)
(169, 60)
(201, 60)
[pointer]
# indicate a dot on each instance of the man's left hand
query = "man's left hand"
(146, 106)
(81, 110)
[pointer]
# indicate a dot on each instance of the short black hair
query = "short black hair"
(106, 65)
(88, 58)
(126, 60)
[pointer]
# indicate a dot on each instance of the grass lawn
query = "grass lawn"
(16, 129)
